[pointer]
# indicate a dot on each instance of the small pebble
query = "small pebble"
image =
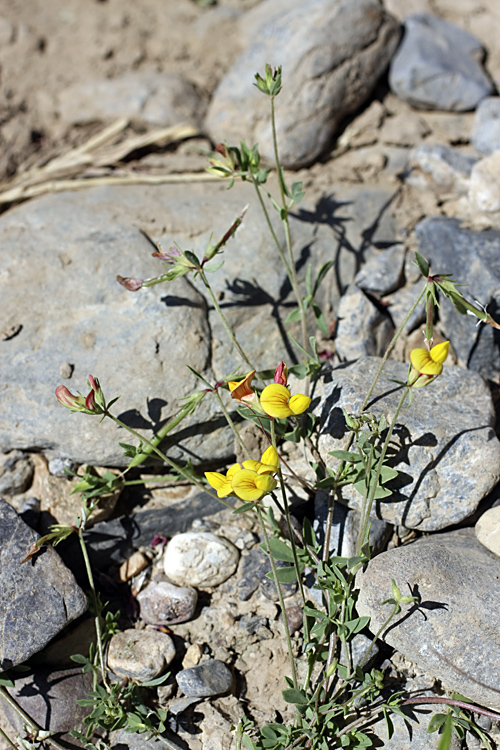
(140, 654)
(163, 603)
(210, 678)
(193, 655)
(484, 190)
(486, 129)
(134, 565)
(200, 559)
(57, 466)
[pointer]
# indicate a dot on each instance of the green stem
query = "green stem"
(365, 525)
(280, 597)
(391, 347)
(7, 739)
(97, 619)
(191, 479)
(32, 726)
(286, 223)
(367, 465)
(291, 534)
(377, 634)
(232, 425)
(271, 228)
(223, 319)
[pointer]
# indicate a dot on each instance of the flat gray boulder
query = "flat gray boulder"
(449, 632)
(444, 446)
(332, 52)
(38, 598)
(438, 66)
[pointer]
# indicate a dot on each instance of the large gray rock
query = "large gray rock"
(333, 52)
(160, 99)
(363, 328)
(71, 318)
(451, 631)
(37, 599)
(445, 447)
(436, 66)
(485, 135)
(472, 258)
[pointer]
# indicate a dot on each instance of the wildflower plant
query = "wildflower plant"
(336, 697)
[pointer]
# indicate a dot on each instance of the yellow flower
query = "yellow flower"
(427, 365)
(221, 482)
(249, 483)
(241, 390)
(250, 486)
(268, 464)
(277, 401)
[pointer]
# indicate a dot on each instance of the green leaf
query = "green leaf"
(285, 575)
(291, 695)
(79, 658)
(244, 508)
(436, 722)
(213, 267)
(157, 681)
(321, 275)
(6, 681)
(320, 320)
(297, 192)
(191, 257)
(279, 550)
(349, 456)
(445, 740)
(422, 265)
(292, 316)
(247, 742)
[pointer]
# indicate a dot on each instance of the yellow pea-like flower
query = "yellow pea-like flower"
(250, 486)
(277, 401)
(430, 362)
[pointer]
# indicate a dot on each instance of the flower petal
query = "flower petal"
(252, 465)
(270, 457)
(219, 482)
(274, 400)
(241, 390)
(440, 352)
(299, 403)
(423, 362)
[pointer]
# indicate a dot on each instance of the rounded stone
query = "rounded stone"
(200, 558)
(164, 603)
(484, 189)
(140, 654)
(210, 678)
(488, 530)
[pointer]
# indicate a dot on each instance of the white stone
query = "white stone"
(484, 190)
(164, 603)
(199, 558)
(488, 530)
(140, 654)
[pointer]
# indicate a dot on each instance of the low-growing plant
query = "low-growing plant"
(334, 693)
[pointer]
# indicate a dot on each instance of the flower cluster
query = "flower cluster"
(249, 481)
(93, 403)
(275, 400)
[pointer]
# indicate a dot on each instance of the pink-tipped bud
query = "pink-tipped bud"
(67, 399)
(281, 374)
(90, 401)
(133, 285)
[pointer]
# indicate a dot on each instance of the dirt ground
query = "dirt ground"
(46, 45)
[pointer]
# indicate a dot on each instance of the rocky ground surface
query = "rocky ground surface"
(390, 117)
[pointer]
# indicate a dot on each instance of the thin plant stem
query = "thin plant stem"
(286, 224)
(97, 619)
(377, 635)
(7, 739)
(280, 597)
(232, 425)
(175, 466)
(32, 726)
(391, 347)
(366, 519)
(223, 319)
(452, 702)
(271, 228)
